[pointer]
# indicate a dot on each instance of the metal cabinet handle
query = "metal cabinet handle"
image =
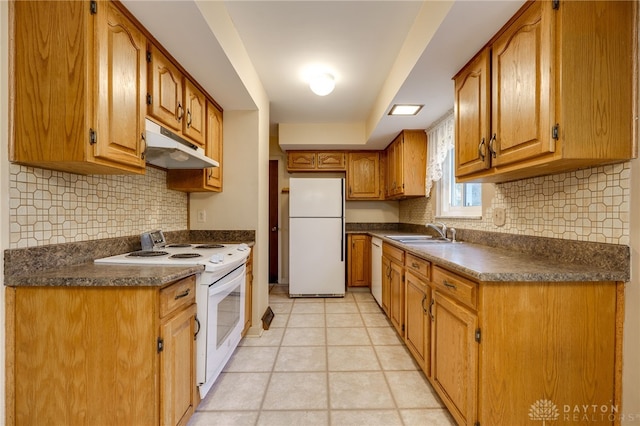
(183, 294)
(180, 112)
(414, 265)
(424, 298)
(482, 149)
(492, 150)
(433, 301)
(449, 285)
(188, 118)
(143, 154)
(198, 329)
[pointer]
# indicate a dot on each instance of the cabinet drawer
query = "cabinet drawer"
(179, 294)
(393, 252)
(418, 266)
(461, 289)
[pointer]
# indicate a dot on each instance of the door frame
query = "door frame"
(278, 252)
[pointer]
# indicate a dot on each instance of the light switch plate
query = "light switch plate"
(499, 216)
(202, 216)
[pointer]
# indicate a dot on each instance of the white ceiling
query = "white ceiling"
(358, 41)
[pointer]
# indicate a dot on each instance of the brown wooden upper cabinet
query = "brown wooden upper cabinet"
(363, 176)
(210, 179)
(78, 87)
(318, 161)
(553, 91)
(406, 159)
(174, 100)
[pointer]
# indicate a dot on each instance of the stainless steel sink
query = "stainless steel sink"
(416, 239)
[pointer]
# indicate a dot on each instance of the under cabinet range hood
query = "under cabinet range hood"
(167, 150)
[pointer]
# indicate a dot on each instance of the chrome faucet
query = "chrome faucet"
(440, 228)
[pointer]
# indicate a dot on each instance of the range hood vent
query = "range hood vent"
(167, 150)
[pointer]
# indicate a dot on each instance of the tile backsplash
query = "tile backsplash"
(584, 205)
(49, 207)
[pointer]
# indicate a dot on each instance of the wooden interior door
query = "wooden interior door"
(273, 221)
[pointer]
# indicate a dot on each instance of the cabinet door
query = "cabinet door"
(359, 260)
(391, 170)
(399, 166)
(177, 368)
(396, 289)
(363, 176)
(214, 146)
(386, 281)
(301, 160)
(329, 161)
(248, 300)
(454, 358)
(121, 80)
(165, 87)
(522, 83)
(195, 105)
(417, 325)
(472, 107)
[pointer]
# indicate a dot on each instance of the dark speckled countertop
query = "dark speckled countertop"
(494, 264)
(90, 274)
(71, 264)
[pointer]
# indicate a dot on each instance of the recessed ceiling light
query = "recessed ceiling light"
(403, 109)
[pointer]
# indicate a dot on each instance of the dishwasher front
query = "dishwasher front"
(376, 269)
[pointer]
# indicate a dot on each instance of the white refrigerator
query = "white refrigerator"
(316, 237)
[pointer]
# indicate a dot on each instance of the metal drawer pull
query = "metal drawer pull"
(415, 265)
(449, 285)
(183, 294)
(424, 298)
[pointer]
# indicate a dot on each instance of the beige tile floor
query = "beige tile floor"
(322, 362)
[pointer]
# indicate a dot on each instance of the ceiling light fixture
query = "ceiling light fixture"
(322, 84)
(405, 109)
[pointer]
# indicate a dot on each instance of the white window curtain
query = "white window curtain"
(440, 139)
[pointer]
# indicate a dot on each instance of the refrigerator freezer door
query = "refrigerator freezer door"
(316, 260)
(316, 197)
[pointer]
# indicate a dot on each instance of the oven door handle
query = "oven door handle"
(231, 281)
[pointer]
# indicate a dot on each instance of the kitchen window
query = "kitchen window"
(457, 199)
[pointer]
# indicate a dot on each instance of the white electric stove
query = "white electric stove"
(220, 295)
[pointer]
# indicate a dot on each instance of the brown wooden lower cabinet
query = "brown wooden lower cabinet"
(498, 352)
(248, 301)
(358, 260)
(101, 355)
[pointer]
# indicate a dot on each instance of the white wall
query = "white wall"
(244, 204)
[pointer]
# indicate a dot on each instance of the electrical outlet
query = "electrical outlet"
(202, 216)
(499, 216)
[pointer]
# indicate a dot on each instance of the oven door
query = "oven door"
(225, 314)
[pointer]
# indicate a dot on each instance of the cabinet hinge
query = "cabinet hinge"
(92, 137)
(148, 56)
(478, 335)
(93, 7)
(160, 344)
(149, 99)
(556, 4)
(555, 130)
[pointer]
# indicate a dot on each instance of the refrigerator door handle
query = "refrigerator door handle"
(342, 248)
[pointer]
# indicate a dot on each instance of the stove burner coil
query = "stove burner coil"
(179, 245)
(209, 246)
(147, 253)
(185, 255)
